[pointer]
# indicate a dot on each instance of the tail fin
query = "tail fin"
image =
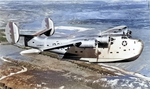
(48, 25)
(12, 32)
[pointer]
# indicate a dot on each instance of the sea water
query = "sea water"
(94, 15)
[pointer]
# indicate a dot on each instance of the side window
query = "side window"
(54, 44)
(102, 45)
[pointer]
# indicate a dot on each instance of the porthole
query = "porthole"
(111, 52)
(134, 42)
(117, 52)
(111, 43)
(54, 43)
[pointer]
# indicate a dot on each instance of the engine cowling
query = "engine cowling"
(87, 43)
(91, 43)
(104, 39)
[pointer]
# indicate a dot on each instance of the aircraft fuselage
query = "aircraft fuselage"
(119, 49)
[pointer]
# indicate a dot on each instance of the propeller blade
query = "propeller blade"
(96, 49)
(109, 46)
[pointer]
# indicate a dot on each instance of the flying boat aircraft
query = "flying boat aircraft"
(112, 45)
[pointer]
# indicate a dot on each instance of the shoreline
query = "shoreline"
(83, 74)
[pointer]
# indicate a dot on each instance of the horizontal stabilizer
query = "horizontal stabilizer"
(12, 32)
(45, 32)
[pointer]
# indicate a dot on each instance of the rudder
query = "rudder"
(47, 23)
(48, 26)
(12, 32)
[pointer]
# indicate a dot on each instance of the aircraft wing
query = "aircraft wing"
(48, 48)
(61, 46)
(115, 30)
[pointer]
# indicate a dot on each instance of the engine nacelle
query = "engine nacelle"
(104, 39)
(87, 44)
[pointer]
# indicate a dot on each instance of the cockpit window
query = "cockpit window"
(102, 45)
(124, 37)
(125, 28)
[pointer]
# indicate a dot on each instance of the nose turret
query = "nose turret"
(129, 33)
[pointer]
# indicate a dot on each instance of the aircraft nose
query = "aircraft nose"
(140, 41)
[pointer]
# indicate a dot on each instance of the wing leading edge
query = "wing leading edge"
(75, 43)
(118, 31)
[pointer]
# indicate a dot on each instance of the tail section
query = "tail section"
(12, 33)
(50, 25)
(13, 36)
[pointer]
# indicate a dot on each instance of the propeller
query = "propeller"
(110, 43)
(96, 49)
(109, 46)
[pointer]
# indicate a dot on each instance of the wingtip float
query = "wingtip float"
(112, 45)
